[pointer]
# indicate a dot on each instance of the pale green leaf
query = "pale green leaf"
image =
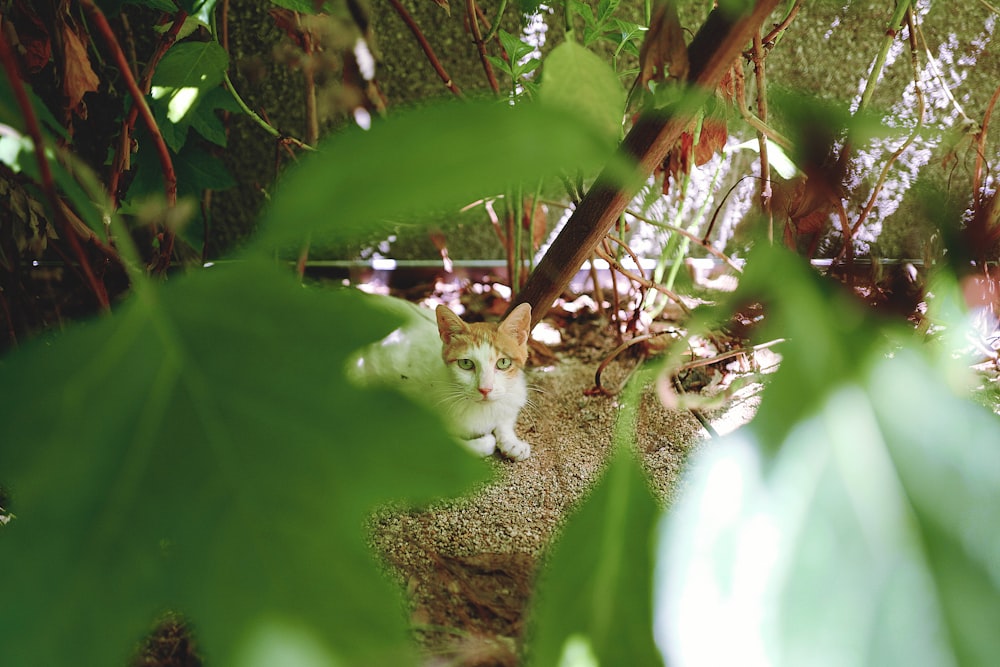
(577, 80)
(855, 522)
(442, 157)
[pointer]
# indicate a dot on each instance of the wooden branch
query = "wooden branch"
(712, 51)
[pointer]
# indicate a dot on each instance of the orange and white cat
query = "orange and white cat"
(472, 373)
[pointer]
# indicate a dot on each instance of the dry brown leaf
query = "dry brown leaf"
(536, 221)
(663, 55)
(79, 77)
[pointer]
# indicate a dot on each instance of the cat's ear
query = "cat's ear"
(449, 324)
(518, 324)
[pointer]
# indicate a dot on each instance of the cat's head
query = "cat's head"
(485, 359)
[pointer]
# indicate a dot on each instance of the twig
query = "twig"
(895, 25)
(776, 31)
(496, 22)
(121, 159)
(477, 36)
(160, 263)
(312, 116)
(138, 98)
(48, 182)
(909, 140)
(694, 237)
(641, 280)
(765, 167)
(729, 354)
(711, 53)
(598, 385)
(425, 45)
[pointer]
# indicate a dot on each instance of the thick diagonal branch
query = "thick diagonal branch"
(710, 54)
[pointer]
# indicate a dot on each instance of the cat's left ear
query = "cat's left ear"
(518, 324)
(449, 324)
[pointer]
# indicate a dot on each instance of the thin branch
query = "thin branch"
(765, 167)
(694, 237)
(477, 37)
(120, 163)
(48, 182)
(645, 282)
(909, 140)
(425, 45)
(160, 263)
(138, 98)
(776, 31)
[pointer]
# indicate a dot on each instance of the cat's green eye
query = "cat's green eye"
(503, 363)
(466, 364)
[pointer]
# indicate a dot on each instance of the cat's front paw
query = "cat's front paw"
(484, 445)
(515, 448)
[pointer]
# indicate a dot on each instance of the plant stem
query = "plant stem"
(477, 37)
(895, 25)
(425, 45)
(48, 182)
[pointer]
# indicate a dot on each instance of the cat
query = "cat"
(472, 373)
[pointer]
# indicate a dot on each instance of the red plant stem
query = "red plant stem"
(425, 45)
(139, 99)
(48, 182)
(779, 28)
(477, 36)
(124, 148)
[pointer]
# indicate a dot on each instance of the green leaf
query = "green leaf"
(436, 158)
(206, 121)
(574, 79)
(513, 46)
(869, 540)
(199, 65)
(855, 520)
(595, 589)
(200, 450)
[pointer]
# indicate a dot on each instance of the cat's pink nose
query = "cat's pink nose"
(485, 391)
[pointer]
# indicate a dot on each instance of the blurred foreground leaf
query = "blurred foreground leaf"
(855, 521)
(444, 156)
(576, 79)
(200, 451)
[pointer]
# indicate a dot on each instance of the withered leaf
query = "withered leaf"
(79, 77)
(663, 54)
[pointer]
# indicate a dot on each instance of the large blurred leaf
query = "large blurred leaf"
(594, 595)
(444, 156)
(855, 521)
(200, 451)
(575, 79)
